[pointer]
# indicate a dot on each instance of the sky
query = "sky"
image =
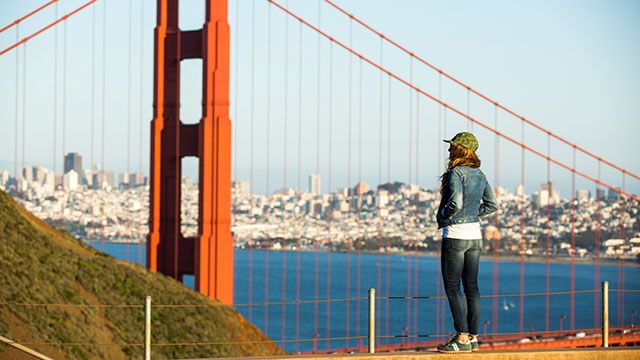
(569, 66)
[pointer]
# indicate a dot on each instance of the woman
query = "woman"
(466, 196)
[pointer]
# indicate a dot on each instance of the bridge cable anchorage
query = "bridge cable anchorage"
(22, 18)
(65, 17)
(476, 92)
(446, 105)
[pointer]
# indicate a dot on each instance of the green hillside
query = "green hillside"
(41, 265)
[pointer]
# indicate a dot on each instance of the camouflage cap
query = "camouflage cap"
(465, 139)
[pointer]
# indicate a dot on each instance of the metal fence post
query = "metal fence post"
(147, 328)
(605, 314)
(372, 321)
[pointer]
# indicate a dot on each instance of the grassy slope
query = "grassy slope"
(39, 264)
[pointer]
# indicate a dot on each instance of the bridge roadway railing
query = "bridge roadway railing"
(522, 338)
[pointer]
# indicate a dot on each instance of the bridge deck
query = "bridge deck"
(557, 354)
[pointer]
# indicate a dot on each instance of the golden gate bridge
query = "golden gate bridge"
(208, 256)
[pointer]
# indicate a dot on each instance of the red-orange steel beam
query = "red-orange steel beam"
(209, 255)
(25, 39)
(20, 19)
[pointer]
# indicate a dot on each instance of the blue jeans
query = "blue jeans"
(459, 261)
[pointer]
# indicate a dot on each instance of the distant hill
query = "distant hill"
(42, 265)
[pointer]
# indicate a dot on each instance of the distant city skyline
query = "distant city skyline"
(578, 71)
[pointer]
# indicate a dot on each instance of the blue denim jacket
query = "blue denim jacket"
(466, 196)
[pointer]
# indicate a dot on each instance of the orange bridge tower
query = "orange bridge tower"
(209, 255)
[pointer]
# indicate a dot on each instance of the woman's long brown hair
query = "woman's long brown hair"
(459, 155)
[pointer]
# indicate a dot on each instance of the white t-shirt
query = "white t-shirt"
(468, 231)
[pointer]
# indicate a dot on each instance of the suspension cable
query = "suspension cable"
(476, 92)
(33, 12)
(26, 39)
(447, 106)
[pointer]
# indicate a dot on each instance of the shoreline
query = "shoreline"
(486, 257)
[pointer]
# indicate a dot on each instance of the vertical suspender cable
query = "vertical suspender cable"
(93, 116)
(17, 176)
(358, 192)
(573, 241)
(496, 222)
(251, 151)
(469, 122)
(284, 181)
(596, 254)
(141, 116)
(440, 136)
(128, 188)
(408, 244)
(443, 303)
(379, 267)
(380, 234)
(24, 111)
(102, 175)
(315, 240)
(300, 216)
(64, 110)
(624, 203)
(622, 235)
(417, 220)
(267, 172)
(55, 98)
(330, 210)
(522, 242)
(387, 237)
(548, 237)
(349, 195)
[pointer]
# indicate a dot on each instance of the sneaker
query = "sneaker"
(474, 344)
(455, 346)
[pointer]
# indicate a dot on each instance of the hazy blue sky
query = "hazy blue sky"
(570, 66)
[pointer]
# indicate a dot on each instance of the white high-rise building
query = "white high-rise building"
(70, 180)
(49, 183)
(314, 184)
